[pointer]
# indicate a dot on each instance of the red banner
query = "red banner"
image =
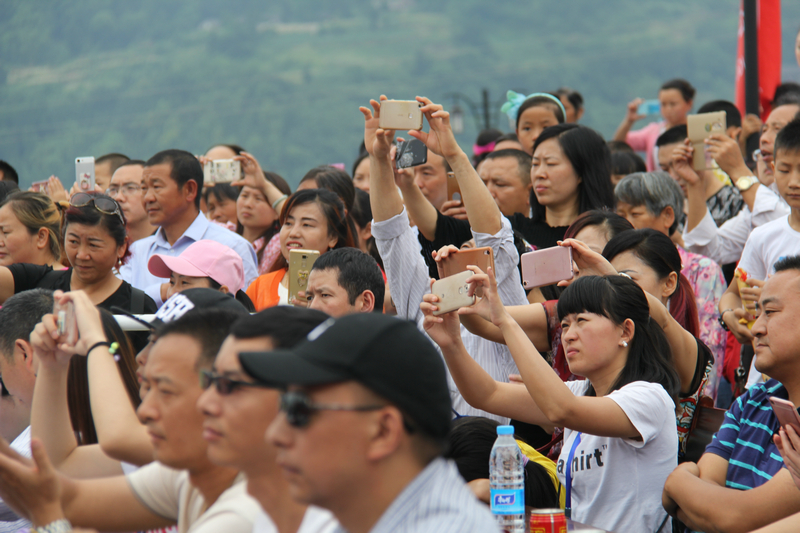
(769, 54)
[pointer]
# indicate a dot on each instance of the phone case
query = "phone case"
(482, 258)
(84, 173)
(39, 186)
(227, 170)
(453, 292)
(453, 190)
(700, 127)
(411, 153)
(786, 412)
(649, 107)
(547, 266)
(300, 263)
(67, 322)
(400, 115)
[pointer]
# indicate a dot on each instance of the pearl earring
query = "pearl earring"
(625, 344)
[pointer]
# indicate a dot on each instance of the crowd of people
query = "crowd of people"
(357, 404)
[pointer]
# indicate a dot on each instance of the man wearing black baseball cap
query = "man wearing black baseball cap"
(364, 417)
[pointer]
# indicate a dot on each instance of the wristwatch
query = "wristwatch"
(721, 320)
(745, 182)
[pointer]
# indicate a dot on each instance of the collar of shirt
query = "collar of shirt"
(194, 232)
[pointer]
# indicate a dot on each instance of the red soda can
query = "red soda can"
(548, 521)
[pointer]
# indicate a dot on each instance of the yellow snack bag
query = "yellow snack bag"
(741, 280)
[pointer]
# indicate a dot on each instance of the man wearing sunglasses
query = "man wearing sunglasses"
(238, 410)
(365, 414)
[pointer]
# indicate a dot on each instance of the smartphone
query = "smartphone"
(482, 258)
(39, 186)
(400, 115)
(786, 413)
(411, 153)
(699, 127)
(546, 266)
(67, 322)
(453, 190)
(453, 292)
(84, 173)
(222, 171)
(300, 263)
(649, 107)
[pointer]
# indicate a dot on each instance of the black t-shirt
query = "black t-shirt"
(449, 230)
(538, 234)
(28, 276)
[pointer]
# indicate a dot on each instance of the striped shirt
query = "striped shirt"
(745, 437)
(436, 501)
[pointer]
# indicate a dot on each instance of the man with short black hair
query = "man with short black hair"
(171, 185)
(346, 281)
(507, 175)
(126, 189)
(105, 166)
(364, 419)
(7, 172)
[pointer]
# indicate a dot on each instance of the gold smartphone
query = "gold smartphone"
(699, 128)
(400, 115)
(453, 190)
(300, 263)
(453, 292)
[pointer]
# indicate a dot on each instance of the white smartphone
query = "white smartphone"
(84, 173)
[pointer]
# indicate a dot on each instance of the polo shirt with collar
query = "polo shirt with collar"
(135, 270)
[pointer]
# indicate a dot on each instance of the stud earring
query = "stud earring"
(625, 344)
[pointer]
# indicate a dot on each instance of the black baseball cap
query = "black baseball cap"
(387, 355)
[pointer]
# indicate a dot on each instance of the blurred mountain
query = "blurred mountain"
(285, 78)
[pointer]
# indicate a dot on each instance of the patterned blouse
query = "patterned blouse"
(270, 254)
(725, 204)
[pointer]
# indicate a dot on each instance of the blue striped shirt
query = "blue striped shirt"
(436, 501)
(745, 437)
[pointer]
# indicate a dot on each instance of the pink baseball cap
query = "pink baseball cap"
(203, 259)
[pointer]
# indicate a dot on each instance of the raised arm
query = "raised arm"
(728, 155)
(383, 195)
(420, 210)
(631, 116)
(254, 177)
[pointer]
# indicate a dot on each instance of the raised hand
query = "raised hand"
(682, 163)
(632, 114)
(589, 262)
(445, 329)
(253, 174)
(726, 152)
(440, 140)
(56, 191)
(491, 300)
(32, 490)
(377, 141)
(455, 209)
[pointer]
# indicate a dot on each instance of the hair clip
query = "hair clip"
(515, 100)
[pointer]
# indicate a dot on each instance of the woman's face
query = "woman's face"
(532, 122)
(17, 245)
(221, 211)
(554, 180)
(306, 228)
(591, 344)
(91, 251)
(644, 276)
(573, 115)
(253, 210)
(673, 107)
(179, 282)
(361, 177)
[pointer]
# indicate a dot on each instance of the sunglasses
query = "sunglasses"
(299, 408)
(224, 384)
(104, 204)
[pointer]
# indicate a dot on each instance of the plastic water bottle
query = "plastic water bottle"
(507, 481)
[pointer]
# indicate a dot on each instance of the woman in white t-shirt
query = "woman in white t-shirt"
(620, 439)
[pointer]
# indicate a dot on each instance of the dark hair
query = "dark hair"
(9, 174)
(340, 225)
(616, 146)
(787, 98)
(35, 210)
(655, 190)
(507, 137)
(788, 262)
(541, 101)
(362, 215)
(523, 162)
(788, 138)
(116, 160)
(624, 163)
(361, 156)
(358, 272)
(270, 231)
(20, 314)
(285, 325)
(89, 215)
(591, 160)
(658, 252)
(334, 180)
(485, 137)
(785, 88)
(240, 295)
(208, 327)
(619, 298)
(221, 192)
(6, 188)
(132, 163)
(235, 148)
(611, 223)
(574, 97)
(185, 168)
(686, 89)
(733, 117)
(676, 134)
(469, 444)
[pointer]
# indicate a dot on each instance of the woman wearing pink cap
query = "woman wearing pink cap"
(206, 264)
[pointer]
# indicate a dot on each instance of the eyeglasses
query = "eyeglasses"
(299, 408)
(104, 204)
(224, 384)
(126, 190)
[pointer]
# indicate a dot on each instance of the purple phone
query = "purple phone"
(546, 266)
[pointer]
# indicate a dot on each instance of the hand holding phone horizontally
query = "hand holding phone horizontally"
(453, 293)
(546, 266)
(786, 413)
(400, 115)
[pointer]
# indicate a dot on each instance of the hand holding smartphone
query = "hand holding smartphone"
(400, 115)
(67, 322)
(546, 266)
(453, 293)
(786, 413)
(411, 153)
(700, 127)
(649, 107)
(222, 171)
(300, 263)
(84, 174)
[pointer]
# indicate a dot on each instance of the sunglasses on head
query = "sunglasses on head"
(224, 384)
(104, 204)
(299, 408)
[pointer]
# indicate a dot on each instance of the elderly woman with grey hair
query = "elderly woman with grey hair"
(654, 200)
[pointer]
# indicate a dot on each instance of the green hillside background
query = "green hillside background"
(285, 78)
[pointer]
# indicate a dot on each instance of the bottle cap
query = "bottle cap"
(505, 430)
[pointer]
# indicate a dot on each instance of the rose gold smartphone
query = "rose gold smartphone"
(453, 292)
(300, 263)
(546, 266)
(400, 115)
(453, 190)
(482, 258)
(699, 128)
(786, 413)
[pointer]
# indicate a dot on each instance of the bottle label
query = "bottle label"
(508, 501)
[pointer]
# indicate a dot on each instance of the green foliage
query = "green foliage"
(285, 78)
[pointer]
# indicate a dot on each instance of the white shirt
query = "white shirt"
(21, 445)
(135, 270)
(316, 520)
(767, 245)
(616, 482)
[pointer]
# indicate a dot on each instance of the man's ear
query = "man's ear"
(365, 302)
(385, 433)
(190, 190)
(23, 353)
(734, 132)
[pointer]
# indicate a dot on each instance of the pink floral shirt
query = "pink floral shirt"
(270, 254)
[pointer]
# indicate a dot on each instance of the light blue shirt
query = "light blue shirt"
(135, 270)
